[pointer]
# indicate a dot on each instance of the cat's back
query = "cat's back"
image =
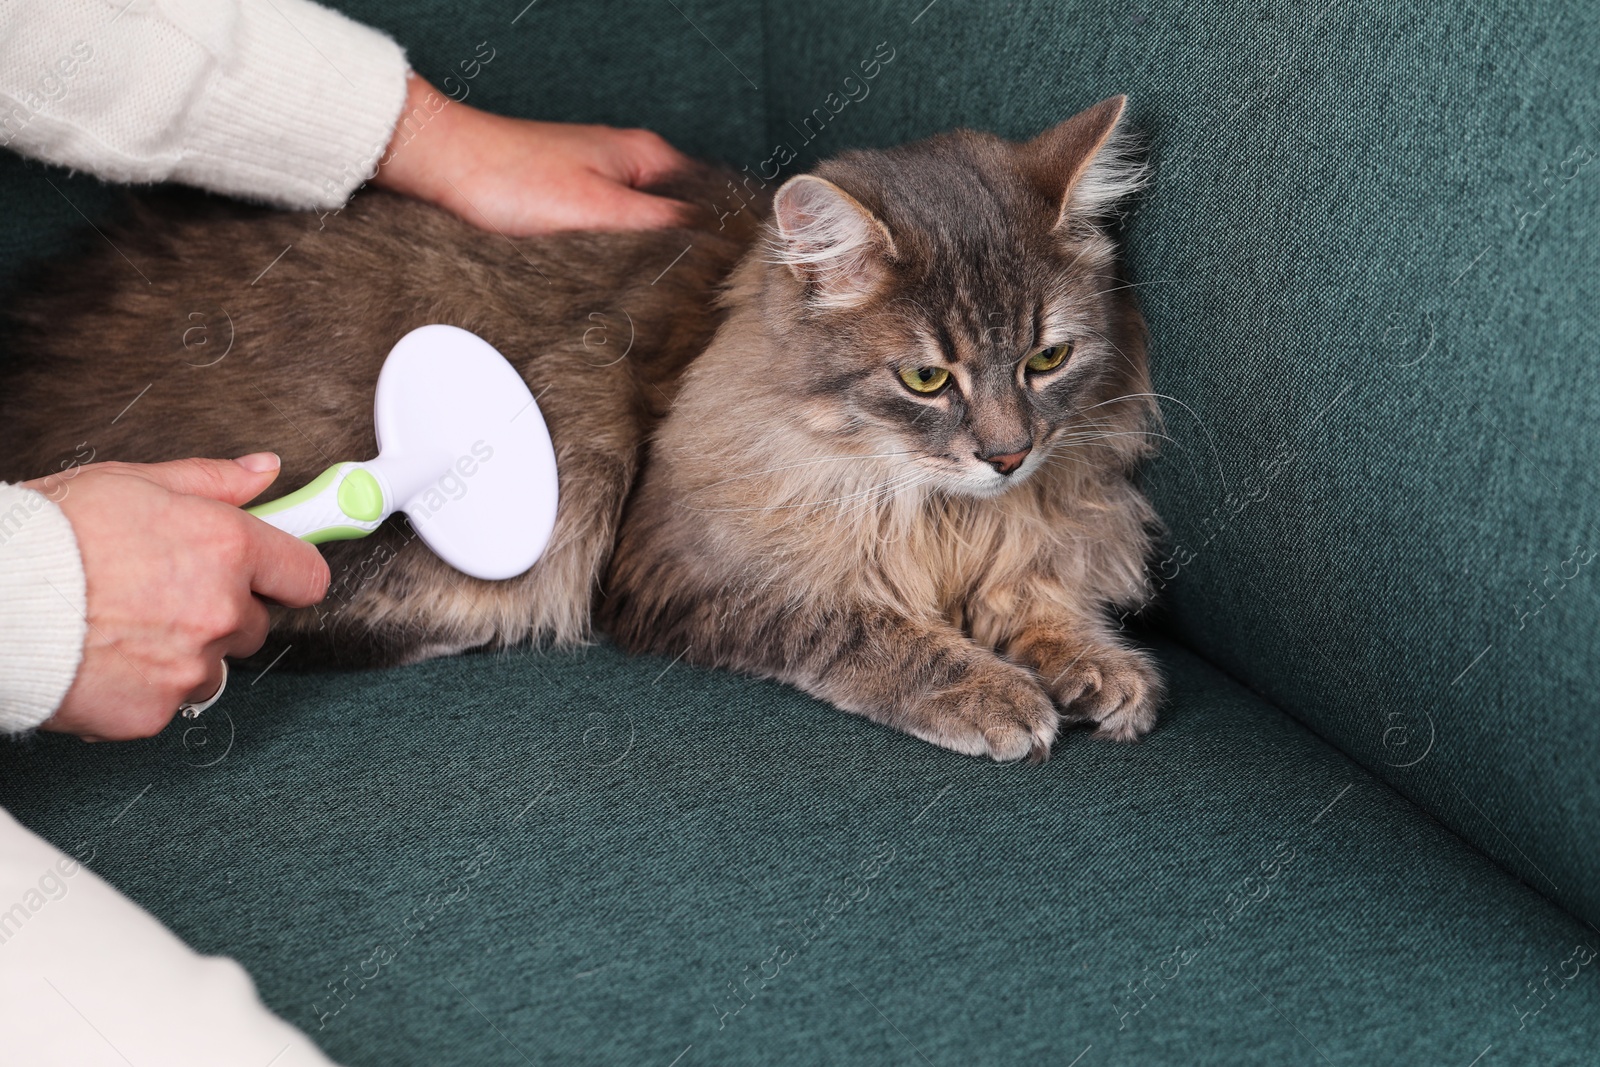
(200, 325)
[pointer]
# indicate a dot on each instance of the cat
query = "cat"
(873, 433)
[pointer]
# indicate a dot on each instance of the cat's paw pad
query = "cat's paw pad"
(1002, 714)
(1116, 689)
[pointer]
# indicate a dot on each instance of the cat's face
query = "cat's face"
(961, 313)
(979, 372)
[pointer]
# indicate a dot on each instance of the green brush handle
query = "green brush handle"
(343, 502)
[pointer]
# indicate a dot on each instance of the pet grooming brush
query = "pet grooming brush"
(463, 450)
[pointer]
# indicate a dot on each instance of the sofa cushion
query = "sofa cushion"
(1369, 263)
(592, 859)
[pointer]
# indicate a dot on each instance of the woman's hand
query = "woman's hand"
(174, 572)
(518, 177)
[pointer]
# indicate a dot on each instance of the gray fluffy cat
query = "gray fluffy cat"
(873, 438)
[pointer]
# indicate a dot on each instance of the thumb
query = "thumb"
(232, 481)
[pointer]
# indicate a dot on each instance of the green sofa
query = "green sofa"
(1368, 828)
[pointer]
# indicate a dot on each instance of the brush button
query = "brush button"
(360, 496)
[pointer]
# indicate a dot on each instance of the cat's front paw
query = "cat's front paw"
(1116, 689)
(997, 711)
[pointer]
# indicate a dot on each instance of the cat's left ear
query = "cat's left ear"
(830, 241)
(1077, 164)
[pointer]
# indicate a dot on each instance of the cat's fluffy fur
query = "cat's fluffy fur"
(745, 482)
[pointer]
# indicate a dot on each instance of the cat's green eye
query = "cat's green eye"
(1047, 359)
(924, 379)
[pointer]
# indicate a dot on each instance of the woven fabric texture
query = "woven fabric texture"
(592, 859)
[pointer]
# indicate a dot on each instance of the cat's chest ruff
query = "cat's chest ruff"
(974, 543)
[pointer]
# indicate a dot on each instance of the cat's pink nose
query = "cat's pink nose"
(1006, 462)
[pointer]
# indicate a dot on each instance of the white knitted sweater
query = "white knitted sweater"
(281, 101)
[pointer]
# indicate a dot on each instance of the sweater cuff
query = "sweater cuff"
(303, 111)
(42, 608)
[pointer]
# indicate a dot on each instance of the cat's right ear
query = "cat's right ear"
(1083, 164)
(833, 244)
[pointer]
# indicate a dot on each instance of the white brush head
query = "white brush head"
(465, 453)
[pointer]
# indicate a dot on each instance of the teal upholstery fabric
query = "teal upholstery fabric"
(688, 71)
(1370, 265)
(591, 859)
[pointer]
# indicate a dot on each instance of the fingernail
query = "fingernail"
(259, 462)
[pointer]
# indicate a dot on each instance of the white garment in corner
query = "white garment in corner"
(90, 979)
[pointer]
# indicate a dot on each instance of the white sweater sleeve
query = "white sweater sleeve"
(42, 608)
(283, 101)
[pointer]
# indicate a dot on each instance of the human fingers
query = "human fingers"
(232, 481)
(282, 567)
(644, 157)
(607, 205)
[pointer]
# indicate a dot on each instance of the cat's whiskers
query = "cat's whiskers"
(1090, 424)
(881, 494)
(890, 489)
(906, 519)
(804, 463)
(1064, 448)
(1081, 461)
(1210, 437)
(1090, 438)
(874, 487)
(1134, 285)
(1111, 344)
